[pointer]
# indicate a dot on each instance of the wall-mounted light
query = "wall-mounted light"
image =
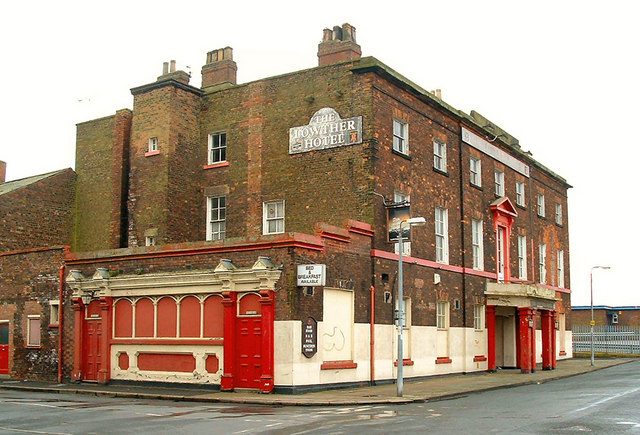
(87, 297)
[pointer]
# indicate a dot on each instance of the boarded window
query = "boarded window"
(33, 334)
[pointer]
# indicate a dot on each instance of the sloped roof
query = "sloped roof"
(10, 186)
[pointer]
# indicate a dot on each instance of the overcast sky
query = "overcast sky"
(561, 76)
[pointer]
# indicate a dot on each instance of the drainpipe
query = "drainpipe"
(371, 337)
(60, 323)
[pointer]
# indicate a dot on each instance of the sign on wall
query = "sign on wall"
(311, 275)
(325, 130)
(309, 337)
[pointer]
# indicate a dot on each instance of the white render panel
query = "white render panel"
(493, 151)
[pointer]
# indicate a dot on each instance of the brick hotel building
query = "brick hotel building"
(198, 213)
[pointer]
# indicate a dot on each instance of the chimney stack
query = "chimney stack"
(3, 171)
(220, 68)
(169, 72)
(338, 45)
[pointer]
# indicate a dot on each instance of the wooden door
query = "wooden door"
(4, 349)
(249, 352)
(91, 352)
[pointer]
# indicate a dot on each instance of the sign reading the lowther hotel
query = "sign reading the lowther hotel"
(309, 337)
(311, 275)
(325, 130)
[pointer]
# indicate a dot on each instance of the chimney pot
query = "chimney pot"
(165, 68)
(338, 45)
(220, 68)
(173, 66)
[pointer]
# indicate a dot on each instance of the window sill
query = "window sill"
(54, 325)
(520, 206)
(443, 360)
(271, 234)
(337, 365)
(475, 186)
(216, 165)
(440, 171)
(559, 225)
(405, 362)
(401, 154)
(151, 153)
(33, 347)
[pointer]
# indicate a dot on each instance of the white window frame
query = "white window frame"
(442, 315)
(501, 234)
(216, 222)
(266, 220)
(153, 144)
(477, 243)
(150, 240)
(522, 257)
(520, 193)
(478, 317)
(440, 156)
(558, 213)
(401, 136)
(540, 205)
(216, 151)
(402, 197)
(560, 268)
(475, 171)
(54, 312)
(30, 318)
(498, 177)
(542, 263)
(442, 235)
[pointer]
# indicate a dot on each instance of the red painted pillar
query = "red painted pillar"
(229, 302)
(548, 331)
(533, 341)
(78, 325)
(267, 302)
(517, 322)
(525, 340)
(491, 337)
(554, 317)
(105, 354)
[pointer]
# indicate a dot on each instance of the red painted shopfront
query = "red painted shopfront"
(177, 328)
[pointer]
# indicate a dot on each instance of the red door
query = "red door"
(91, 349)
(249, 352)
(249, 342)
(4, 349)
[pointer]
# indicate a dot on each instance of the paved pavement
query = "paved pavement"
(430, 389)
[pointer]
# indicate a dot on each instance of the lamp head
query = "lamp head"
(416, 221)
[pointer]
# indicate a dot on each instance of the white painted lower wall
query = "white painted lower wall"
(292, 368)
(198, 376)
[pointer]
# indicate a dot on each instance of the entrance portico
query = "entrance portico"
(511, 326)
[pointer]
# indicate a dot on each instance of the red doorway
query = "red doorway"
(249, 342)
(91, 340)
(4, 349)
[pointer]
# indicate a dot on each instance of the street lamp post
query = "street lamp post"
(592, 323)
(412, 222)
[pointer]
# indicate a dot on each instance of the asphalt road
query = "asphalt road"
(606, 401)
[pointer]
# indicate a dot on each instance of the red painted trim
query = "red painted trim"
(152, 153)
(336, 365)
(295, 240)
(170, 341)
(377, 253)
(358, 227)
(267, 302)
(60, 322)
(490, 319)
(443, 360)
(479, 358)
(563, 353)
(405, 362)
(31, 250)
(216, 165)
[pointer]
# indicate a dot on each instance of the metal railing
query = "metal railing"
(607, 339)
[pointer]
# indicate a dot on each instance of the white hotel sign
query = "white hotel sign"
(325, 130)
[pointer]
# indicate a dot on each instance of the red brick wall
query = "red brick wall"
(38, 214)
(29, 281)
